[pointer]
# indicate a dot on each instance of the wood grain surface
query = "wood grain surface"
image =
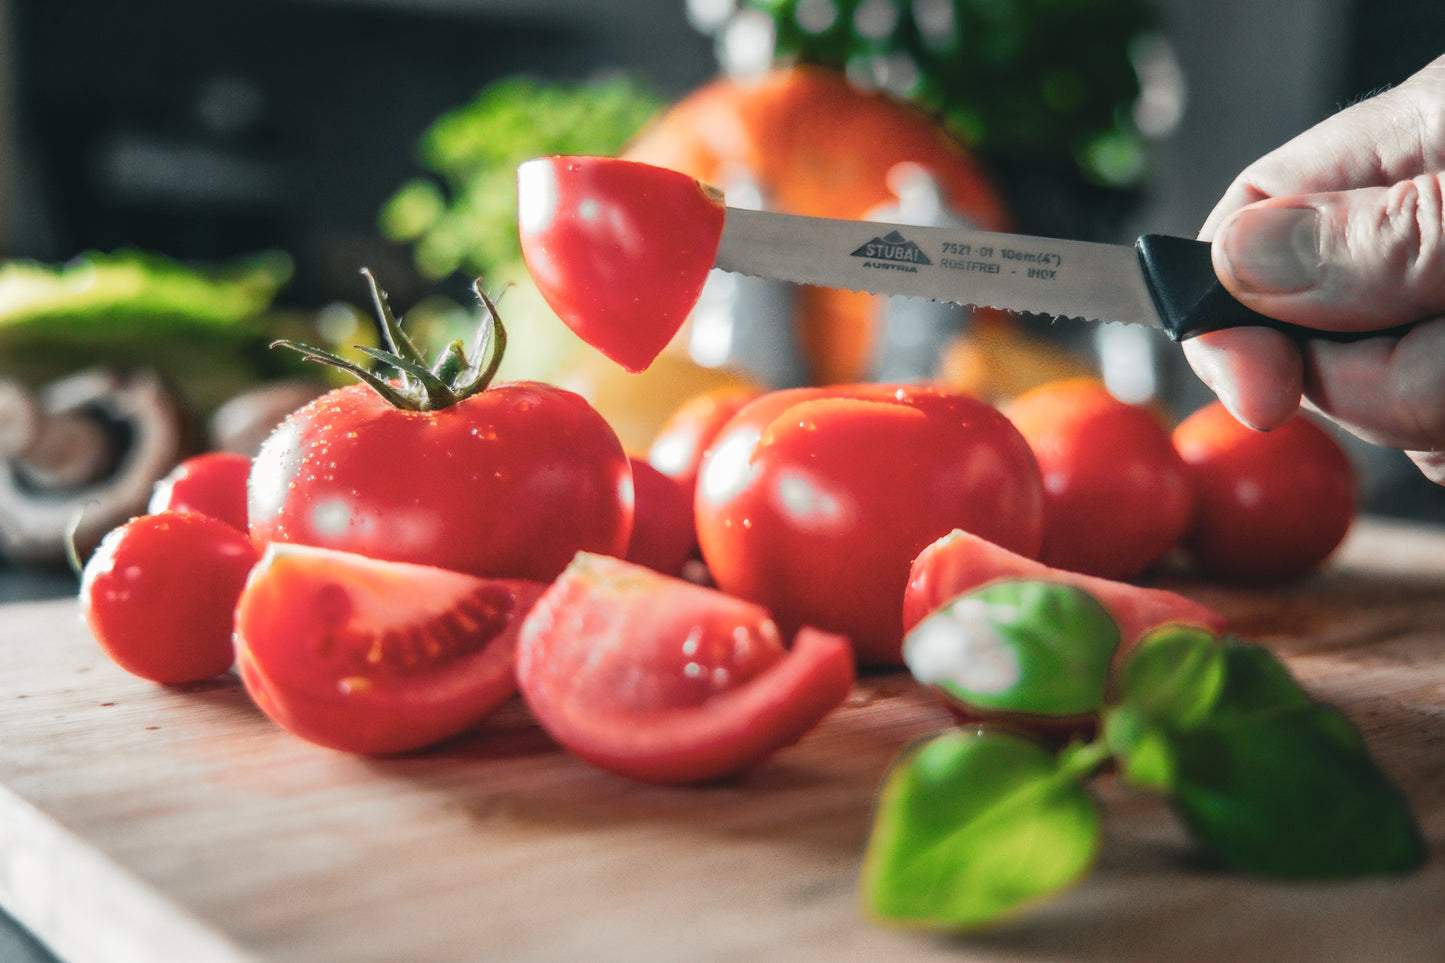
(144, 824)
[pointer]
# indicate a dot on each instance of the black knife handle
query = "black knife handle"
(1190, 299)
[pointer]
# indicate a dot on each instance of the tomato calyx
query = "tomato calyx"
(457, 373)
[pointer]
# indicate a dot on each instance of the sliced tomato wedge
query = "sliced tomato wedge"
(619, 249)
(960, 562)
(376, 657)
(664, 681)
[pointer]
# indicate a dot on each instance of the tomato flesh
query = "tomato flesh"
(619, 249)
(813, 502)
(376, 657)
(664, 681)
(159, 591)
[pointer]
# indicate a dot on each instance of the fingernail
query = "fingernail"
(1274, 250)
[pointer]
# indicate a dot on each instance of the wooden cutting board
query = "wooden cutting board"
(141, 824)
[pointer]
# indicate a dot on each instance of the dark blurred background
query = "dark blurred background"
(211, 130)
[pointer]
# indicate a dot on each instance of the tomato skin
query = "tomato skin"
(509, 483)
(814, 501)
(159, 591)
(619, 249)
(663, 681)
(664, 537)
(961, 562)
(1116, 493)
(374, 657)
(213, 483)
(680, 442)
(1269, 506)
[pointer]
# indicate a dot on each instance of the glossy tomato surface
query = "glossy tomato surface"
(663, 534)
(619, 249)
(159, 591)
(1116, 493)
(213, 483)
(814, 501)
(664, 681)
(1269, 506)
(679, 443)
(508, 483)
(376, 657)
(961, 562)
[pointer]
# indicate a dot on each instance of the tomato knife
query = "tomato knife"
(1161, 281)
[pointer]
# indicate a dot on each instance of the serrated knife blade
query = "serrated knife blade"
(1161, 281)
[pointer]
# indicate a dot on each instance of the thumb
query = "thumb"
(1359, 260)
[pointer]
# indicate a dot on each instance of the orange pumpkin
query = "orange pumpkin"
(815, 144)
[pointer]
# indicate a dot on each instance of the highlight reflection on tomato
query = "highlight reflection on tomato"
(813, 502)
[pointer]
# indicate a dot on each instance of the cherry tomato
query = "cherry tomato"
(619, 249)
(1269, 506)
(213, 484)
(664, 537)
(960, 562)
(376, 657)
(678, 446)
(159, 591)
(814, 501)
(1116, 493)
(664, 681)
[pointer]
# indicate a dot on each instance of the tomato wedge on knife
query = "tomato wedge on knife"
(619, 249)
(376, 657)
(664, 681)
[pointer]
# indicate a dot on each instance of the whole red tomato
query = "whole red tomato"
(663, 535)
(159, 592)
(619, 249)
(1269, 506)
(814, 501)
(213, 483)
(502, 481)
(1116, 493)
(376, 657)
(678, 446)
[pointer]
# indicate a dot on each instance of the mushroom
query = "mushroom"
(80, 456)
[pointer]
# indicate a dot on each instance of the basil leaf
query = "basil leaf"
(1256, 681)
(971, 826)
(1175, 674)
(1017, 646)
(1292, 793)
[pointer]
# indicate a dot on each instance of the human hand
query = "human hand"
(1342, 229)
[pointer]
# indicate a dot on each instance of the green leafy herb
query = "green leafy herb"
(204, 328)
(974, 826)
(971, 827)
(1034, 78)
(1019, 646)
(464, 219)
(1267, 780)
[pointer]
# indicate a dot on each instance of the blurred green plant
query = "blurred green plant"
(206, 329)
(462, 216)
(1051, 79)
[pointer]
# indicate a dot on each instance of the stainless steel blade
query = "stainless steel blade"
(1058, 278)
